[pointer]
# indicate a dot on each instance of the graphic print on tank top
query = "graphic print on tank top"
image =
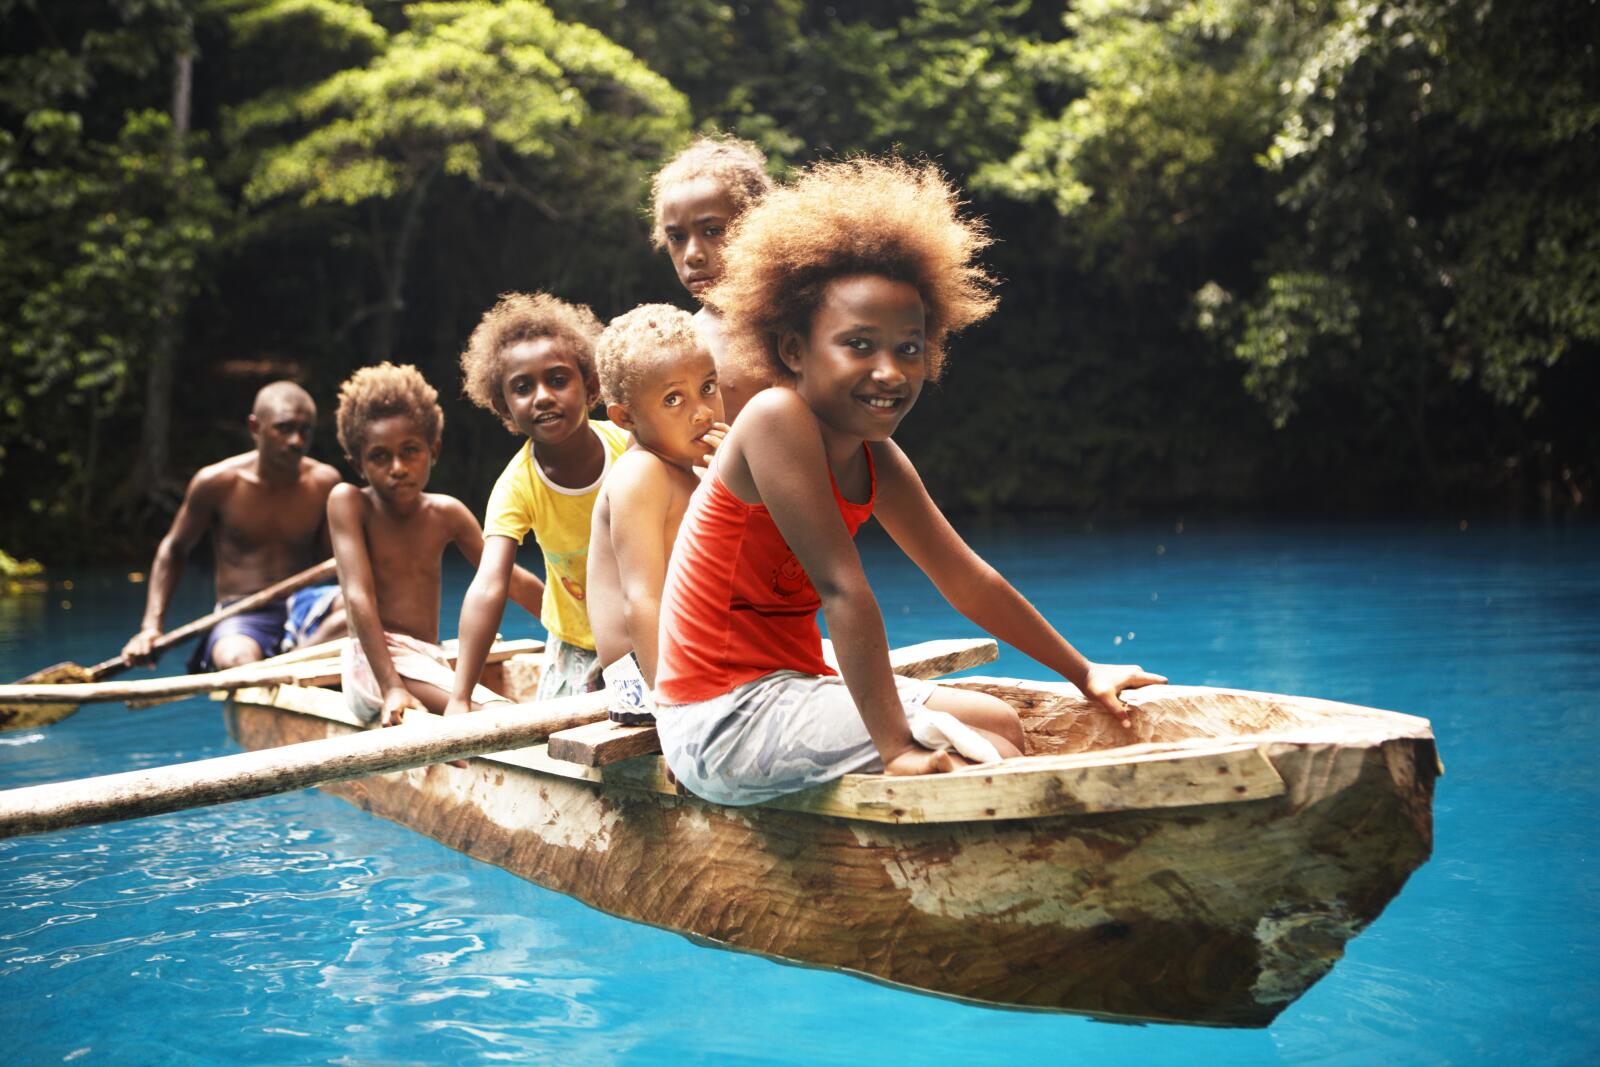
(788, 578)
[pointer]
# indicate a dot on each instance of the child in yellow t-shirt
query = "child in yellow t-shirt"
(531, 362)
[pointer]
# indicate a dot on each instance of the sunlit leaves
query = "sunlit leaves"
(483, 92)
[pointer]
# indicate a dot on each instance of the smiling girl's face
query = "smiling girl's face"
(862, 363)
(544, 390)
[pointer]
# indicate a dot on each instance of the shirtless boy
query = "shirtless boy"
(658, 381)
(265, 510)
(697, 196)
(389, 539)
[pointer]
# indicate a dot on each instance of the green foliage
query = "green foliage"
(1338, 252)
(482, 93)
(1369, 201)
(98, 256)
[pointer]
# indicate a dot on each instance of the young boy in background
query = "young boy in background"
(531, 361)
(696, 197)
(388, 541)
(658, 381)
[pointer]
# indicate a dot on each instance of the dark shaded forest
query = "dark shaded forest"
(1259, 256)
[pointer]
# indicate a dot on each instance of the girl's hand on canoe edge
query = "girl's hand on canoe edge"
(1106, 681)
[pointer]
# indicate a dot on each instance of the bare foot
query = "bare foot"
(919, 760)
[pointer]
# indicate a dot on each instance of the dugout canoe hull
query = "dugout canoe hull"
(1122, 898)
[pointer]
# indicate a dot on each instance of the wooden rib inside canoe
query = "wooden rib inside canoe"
(1206, 867)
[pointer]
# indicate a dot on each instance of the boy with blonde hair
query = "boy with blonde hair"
(658, 381)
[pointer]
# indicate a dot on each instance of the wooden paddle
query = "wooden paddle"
(313, 666)
(27, 713)
(429, 739)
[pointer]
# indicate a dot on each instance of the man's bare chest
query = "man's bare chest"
(252, 517)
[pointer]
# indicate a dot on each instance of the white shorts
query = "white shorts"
(413, 660)
(781, 733)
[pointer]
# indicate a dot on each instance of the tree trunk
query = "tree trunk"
(154, 432)
(392, 268)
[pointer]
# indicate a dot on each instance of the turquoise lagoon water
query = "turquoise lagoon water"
(297, 929)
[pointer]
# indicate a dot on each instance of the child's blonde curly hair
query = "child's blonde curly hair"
(522, 317)
(857, 216)
(738, 167)
(636, 343)
(380, 392)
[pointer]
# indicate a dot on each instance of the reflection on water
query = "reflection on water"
(298, 929)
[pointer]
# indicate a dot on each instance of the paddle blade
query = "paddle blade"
(29, 716)
(58, 674)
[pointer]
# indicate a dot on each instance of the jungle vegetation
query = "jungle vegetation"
(1266, 256)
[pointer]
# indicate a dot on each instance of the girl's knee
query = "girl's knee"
(980, 710)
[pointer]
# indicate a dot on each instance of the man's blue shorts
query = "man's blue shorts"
(275, 627)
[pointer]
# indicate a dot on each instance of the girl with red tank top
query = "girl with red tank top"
(844, 284)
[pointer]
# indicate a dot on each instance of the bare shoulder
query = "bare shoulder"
(324, 476)
(777, 408)
(636, 467)
(448, 511)
(891, 462)
(349, 505)
(216, 478)
(639, 482)
(345, 495)
(774, 421)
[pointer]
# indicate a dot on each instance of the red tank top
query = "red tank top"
(737, 604)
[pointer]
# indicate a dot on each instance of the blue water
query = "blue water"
(297, 929)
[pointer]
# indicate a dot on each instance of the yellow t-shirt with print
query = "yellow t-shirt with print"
(525, 499)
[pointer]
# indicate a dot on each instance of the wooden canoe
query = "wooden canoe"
(1208, 870)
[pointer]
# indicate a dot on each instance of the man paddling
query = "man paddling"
(267, 513)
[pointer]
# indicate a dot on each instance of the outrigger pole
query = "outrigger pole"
(422, 740)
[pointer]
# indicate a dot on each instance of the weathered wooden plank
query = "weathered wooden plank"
(1036, 787)
(328, 673)
(600, 743)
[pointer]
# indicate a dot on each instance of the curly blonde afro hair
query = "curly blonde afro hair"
(859, 216)
(520, 317)
(637, 343)
(737, 166)
(381, 392)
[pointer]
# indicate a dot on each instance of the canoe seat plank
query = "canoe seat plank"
(601, 743)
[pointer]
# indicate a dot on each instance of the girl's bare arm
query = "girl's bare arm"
(980, 592)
